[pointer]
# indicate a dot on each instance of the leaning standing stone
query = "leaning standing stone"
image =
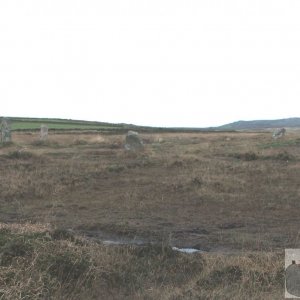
(133, 141)
(278, 133)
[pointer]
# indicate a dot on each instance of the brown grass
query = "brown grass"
(224, 192)
(45, 265)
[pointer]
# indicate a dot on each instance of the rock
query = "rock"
(133, 141)
(293, 279)
(5, 131)
(44, 132)
(278, 133)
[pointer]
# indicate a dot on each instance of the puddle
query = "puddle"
(141, 243)
(111, 239)
(116, 240)
(188, 250)
(123, 242)
(138, 242)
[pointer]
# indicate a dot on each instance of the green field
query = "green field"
(20, 124)
(33, 124)
(58, 126)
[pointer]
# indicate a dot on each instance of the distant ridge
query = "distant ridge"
(261, 124)
(29, 124)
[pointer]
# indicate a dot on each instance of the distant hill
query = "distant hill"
(33, 124)
(261, 124)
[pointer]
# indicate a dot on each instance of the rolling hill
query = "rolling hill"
(261, 124)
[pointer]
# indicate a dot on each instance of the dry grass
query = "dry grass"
(187, 181)
(47, 265)
(22, 228)
(228, 193)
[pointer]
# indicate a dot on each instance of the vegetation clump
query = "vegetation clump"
(20, 154)
(247, 156)
(62, 234)
(35, 266)
(116, 168)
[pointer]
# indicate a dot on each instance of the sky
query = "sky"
(187, 63)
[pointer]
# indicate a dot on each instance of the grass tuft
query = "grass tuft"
(247, 156)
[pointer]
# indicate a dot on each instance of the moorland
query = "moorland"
(82, 218)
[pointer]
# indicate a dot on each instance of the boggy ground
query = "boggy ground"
(221, 192)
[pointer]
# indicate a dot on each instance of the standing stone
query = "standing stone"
(133, 141)
(44, 133)
(5, 131)
(278, 133)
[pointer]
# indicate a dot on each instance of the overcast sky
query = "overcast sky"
(156, 62)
